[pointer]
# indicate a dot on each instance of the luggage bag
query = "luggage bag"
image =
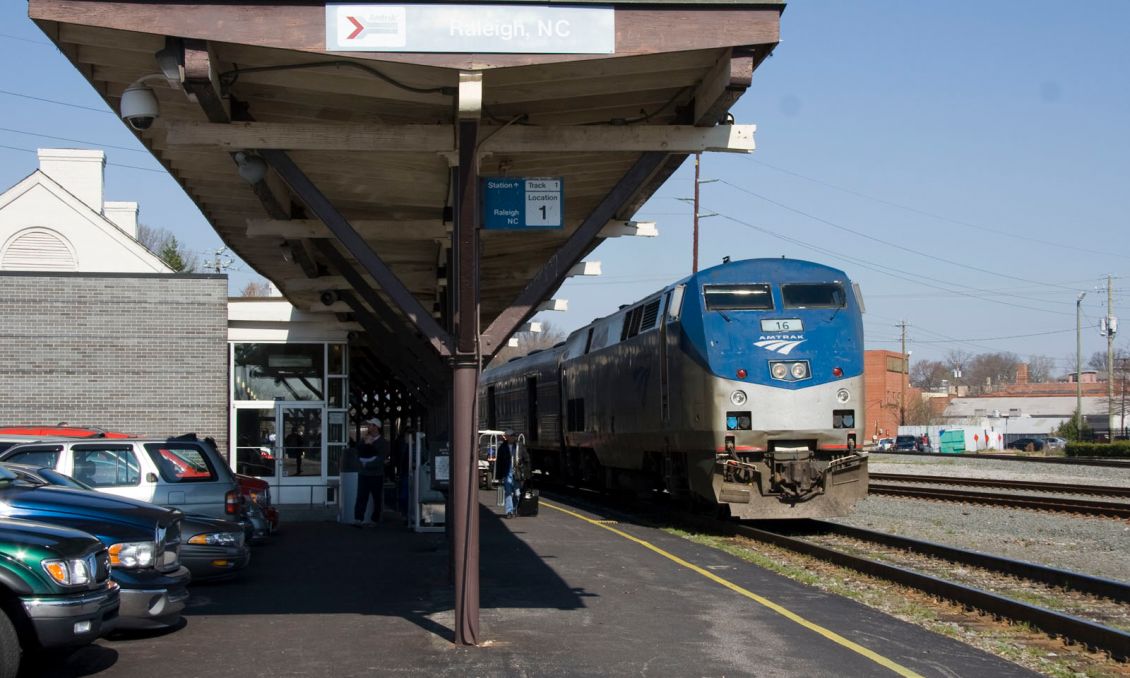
(528, 505)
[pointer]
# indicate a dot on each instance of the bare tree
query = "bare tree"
(929, 374)
(990, 370)
(530, 341)
(162, 242)
(1041, 368)
(958, 363)
(256, 288)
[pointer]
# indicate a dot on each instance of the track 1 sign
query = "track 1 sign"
(521, 203)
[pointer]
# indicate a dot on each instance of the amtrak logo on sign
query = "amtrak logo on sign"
(784, 346)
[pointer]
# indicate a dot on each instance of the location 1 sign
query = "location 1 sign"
(518, 203)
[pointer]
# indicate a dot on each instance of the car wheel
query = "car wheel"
(9, 647)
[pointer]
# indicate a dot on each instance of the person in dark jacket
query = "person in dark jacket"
(372, 453)
(504, 472)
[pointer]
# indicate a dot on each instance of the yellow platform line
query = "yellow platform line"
(761, 600)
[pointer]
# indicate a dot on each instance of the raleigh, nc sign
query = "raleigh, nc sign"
(509, 29)
(521, 203)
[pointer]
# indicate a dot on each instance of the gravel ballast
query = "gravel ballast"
(1095, 546)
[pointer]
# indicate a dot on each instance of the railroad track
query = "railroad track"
(1004, 499)
(1089, 633)
(1019, 485)
(1072, 628)
(1077, 461)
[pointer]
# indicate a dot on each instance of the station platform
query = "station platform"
(566, 593)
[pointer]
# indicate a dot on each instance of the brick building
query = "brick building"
(885, 380)
(95, 330)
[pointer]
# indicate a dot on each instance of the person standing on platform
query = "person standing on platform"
(523, 469)
(504, 472)
(372, 453)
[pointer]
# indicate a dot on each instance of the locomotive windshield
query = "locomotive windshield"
(814, 295)
(755, 297)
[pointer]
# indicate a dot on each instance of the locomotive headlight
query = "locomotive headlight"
(780, 370)
(738, 397)
(799, 370)
(843, 395)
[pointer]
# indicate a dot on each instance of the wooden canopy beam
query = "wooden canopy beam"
(321, 206)
(550, 276)
(438, 138)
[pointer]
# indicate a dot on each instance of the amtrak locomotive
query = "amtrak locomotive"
(741, 386)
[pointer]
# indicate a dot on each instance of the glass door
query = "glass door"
(256, 441)
(300, 441)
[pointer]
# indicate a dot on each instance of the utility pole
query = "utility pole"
(905, 376)
(697, 169)
(219, 262)
(1110, 326)
(1079, 365)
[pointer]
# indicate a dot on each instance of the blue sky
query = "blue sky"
(966, 163)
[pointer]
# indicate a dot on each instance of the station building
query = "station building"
(99, 331)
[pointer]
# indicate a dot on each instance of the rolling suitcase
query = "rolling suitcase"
(528, 505)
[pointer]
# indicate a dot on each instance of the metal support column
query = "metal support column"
(464, 466)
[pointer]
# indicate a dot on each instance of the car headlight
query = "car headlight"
(133, 555)
(74, 572)
(738, 397)
(217, 539)
(799, 370)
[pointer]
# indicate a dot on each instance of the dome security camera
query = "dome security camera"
(139, 106)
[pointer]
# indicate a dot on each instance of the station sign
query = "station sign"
(487, 29)
(522, 203)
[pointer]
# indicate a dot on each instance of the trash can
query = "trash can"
(347, 486)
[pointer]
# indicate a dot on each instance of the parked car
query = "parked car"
(885, 445)
(1054, 443)
(211, 548)
(1026, 444)
(143, 542)
(907, 444)
(179, 473)
(263, 518)
(55, 590)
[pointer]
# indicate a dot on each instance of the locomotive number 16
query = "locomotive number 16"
(782, 325)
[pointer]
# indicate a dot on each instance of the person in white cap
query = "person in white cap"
(372, 452)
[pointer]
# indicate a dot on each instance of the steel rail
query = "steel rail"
(1092, 508)
(1028, 485)
(1077, 461)
(1100, 586)
(1114, 641)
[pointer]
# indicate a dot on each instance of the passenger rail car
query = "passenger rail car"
(741, 386)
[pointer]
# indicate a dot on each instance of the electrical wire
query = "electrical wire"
(108, 164)
(878, 268)
(930, 214)
(888, 243)
(229, 78)
(54, 101)
(74, 141)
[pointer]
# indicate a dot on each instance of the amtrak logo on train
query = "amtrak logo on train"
(781, 343)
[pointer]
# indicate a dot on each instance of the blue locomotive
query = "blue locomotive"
(740, 386)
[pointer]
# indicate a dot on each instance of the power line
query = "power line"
(930, 214)
(74, 141)
(898, 273)
(34, 42)
(55, 101)
(110, 164)
(889, 243)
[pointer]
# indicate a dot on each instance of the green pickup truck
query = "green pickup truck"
(55, 590)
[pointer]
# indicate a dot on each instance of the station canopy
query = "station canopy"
(270, 124)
